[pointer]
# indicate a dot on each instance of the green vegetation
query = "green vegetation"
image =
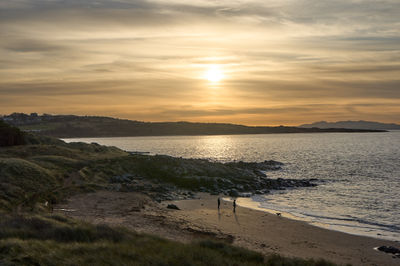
(32, 174)
(184, 173)
(193, 174)
(10, 135)
(56, 240)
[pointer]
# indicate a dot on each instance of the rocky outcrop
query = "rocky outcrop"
(270, 165)
(167, 178)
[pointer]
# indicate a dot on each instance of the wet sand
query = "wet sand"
(253, 229)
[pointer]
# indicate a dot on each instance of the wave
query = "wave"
(354, 225)
(382, 226)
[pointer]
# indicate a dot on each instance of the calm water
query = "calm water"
(359, 190)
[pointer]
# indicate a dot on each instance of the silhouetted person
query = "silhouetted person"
(219, 202)
(234, 205)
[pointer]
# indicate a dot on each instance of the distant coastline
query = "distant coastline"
(354, 124)
(72, 126)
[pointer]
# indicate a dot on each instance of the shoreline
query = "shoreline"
(370, 201)
(268, 233)
(253, 229)
(248, 202)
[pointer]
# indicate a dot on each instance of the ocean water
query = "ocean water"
(359, 173)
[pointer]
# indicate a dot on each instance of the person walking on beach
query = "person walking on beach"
(234, 205)
(219, 202)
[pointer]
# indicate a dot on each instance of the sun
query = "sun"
(214, 74)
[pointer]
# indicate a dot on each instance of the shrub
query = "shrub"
(10, 136)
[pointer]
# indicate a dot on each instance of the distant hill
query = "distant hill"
(71, 126)
(353, 125)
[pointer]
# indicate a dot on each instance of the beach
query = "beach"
(254, 229)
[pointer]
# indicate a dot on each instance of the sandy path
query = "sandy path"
(249, 228)
(134, 211)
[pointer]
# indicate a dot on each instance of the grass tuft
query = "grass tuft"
(56, 240)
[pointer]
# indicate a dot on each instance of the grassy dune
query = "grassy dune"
(31, 174)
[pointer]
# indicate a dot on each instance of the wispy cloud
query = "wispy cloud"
(286, 61)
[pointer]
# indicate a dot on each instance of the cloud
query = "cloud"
(29, 45)
(133, 57)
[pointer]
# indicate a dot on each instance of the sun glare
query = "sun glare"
(214, 74)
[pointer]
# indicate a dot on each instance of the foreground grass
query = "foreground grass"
(56, 240)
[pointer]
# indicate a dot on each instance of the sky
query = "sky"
(255, 62)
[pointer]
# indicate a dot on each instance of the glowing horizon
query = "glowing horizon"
(245, 62)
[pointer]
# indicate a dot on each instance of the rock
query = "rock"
(389, 249)
(260, 173)
(239, 187)
(233, 193)
(168, 197)
(126, 178)
(173, 207)
(147, 187)
(262, 166)
(117, 187)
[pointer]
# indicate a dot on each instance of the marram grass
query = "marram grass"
(56, 240)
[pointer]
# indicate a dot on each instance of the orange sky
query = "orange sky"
(279, 61)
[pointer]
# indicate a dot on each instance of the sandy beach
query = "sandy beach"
(253, 229)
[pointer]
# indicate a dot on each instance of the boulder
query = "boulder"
(233, 193)
(389, 249)
(173, 207)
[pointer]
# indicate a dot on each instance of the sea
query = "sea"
(358, 174)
